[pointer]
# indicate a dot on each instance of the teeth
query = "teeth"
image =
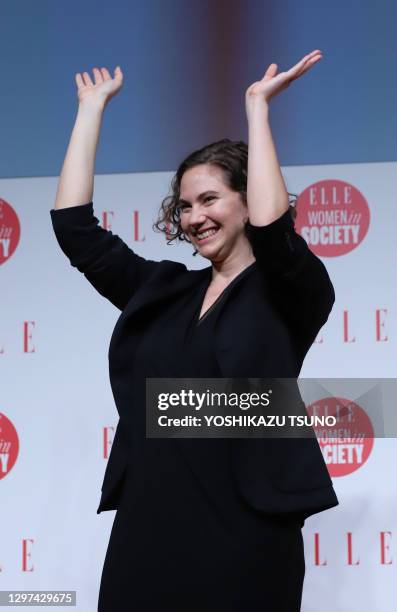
(207, 233)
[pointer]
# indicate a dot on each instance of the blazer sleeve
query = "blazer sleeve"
(106, 261)
(301, 288)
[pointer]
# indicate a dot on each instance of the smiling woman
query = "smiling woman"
(211, 523)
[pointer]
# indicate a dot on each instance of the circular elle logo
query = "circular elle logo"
(347, 445)
(333, 217)
(10, 231)
(9, 445)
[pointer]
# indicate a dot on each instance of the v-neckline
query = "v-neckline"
(199, 319)
(218, 299)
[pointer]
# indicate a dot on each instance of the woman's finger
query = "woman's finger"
(310, 63)
(271, 71)
(79, 81)
(97, 76)
(118, 73)
(87, 80)
(307, 66)
(307, 58)
(106, 74)
(302, 66)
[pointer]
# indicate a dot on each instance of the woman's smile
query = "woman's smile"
(206, 236)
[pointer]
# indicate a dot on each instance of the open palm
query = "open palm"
(272, 83)
(102, 88)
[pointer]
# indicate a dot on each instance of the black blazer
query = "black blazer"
(294, 297)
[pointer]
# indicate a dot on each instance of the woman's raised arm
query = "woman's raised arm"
(76, 182)
(302, 290)
(107, 262)
(266, 192)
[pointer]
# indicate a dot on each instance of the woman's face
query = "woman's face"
(207, 203)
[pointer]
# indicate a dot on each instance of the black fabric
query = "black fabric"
(172, 546)
(262, 326)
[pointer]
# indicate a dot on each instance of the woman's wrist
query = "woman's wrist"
(91, 107)
(256, 106)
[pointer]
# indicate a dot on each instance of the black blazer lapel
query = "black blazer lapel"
(165, 286)
(163, 289)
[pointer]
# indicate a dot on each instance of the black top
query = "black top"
(264, 330)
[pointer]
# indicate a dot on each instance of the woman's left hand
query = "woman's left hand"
(272, 83)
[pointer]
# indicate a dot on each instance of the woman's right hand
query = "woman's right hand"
(102, 89)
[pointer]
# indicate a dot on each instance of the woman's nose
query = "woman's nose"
(197, 217)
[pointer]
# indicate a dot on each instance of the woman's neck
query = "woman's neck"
(224, 272)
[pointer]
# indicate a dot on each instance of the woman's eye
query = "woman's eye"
(183, 206)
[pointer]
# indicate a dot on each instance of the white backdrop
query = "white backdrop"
(54, 336)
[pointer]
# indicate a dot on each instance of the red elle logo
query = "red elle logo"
(9, 445)
(347, 445)
(10, 231)
(333, 217)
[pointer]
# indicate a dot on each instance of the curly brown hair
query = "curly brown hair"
(232, 158)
